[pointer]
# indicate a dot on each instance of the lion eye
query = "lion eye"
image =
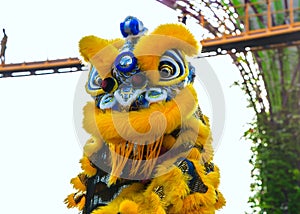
(166, 70)
(171, 65)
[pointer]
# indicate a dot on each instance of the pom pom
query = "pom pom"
(128, 207)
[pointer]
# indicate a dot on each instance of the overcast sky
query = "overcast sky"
(39, 146)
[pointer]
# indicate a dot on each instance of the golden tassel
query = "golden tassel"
(119, 156)
(138, 159)
(152, 153)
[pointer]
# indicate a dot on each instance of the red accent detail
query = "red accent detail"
(108, 84)
(104, 84)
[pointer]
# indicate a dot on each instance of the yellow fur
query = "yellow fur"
(165, 37)
(131, 126)
(180, 32)
(100, 52)
(90, 45)
(169, 141)
(117, 43)
(141, 135)
(214, 177)
(174, 185)
(194, 154)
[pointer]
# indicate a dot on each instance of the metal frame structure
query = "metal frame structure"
(41, 67)
(232, 31)
(228, 32)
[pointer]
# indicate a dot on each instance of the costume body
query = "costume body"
(150, 149)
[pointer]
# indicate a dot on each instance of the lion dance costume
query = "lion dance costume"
(150, 149)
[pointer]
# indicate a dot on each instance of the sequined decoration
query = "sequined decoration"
(159, 190)
(209, 167)
(199, 115)
(195, 184)
(183, 166)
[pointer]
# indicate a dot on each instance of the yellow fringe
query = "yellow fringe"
(208, 151)
(151, 204)
(81, 203)
(211, 180)
(220, 201)
(87, 167)
(69, 201)
(199, 200)
(214, 177)
(77, 183)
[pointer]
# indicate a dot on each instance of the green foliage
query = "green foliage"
(275, 131)
(275, 162)
(275, 135)
(279, 16)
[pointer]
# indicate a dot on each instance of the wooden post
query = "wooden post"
(291, 13)
(269, 16)
(247, 17)
(202, 21)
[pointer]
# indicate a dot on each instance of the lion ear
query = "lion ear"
(101, 53)
(90, 45)
(179, 37)
(165, 37)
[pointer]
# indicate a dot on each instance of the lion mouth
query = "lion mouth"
(126, 98)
